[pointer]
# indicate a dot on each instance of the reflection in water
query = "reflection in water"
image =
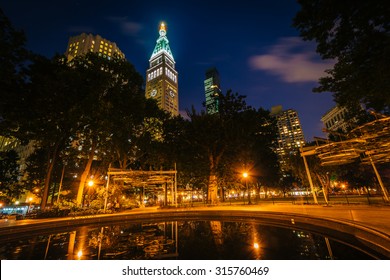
(184, 240)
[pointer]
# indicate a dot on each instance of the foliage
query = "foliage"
(357, 35)
(218, 147)
(13, 57)
(9, 176)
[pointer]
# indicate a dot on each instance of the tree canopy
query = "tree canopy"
(356, 33)
(223, 145)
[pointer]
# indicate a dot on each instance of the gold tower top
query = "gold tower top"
(163, 29)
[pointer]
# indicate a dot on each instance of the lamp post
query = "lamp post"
(29, 205)
(90, 185)
(245, 175)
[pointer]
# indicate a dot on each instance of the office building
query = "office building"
(84, 43)
(212, 90)
(335, 120)
(290, 137)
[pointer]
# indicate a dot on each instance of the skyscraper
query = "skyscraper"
(161, 76)
(212, 90)
(290, 137)
(84, 43)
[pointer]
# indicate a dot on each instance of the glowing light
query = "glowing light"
(80, 254)
(256, 245)
(90, 183)
(245, 175)
(162, 26)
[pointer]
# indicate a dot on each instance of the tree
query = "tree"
(226, 142)
(356, 34)
(13, 57)
(113, 116)
(10, 186)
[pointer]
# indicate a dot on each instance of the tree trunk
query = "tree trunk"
(212, 189)
(51, 161)
(85, 174)
(212, 193)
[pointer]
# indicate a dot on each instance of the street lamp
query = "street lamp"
(245, 175)
(345, 193)
(90, 184)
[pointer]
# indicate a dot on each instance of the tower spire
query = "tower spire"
(162, 44)
(163, 30)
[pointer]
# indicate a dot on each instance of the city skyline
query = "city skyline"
(254, 47)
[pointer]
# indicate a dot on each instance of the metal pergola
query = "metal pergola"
(144, 178)
(368, 143)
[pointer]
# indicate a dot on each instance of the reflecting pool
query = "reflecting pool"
(179, 239)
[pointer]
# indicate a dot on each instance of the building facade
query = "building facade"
(161, 76)
(335, 119)
(212, 88)
(290, 137)
(85, 43)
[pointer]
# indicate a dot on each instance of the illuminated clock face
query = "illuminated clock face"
(153, 93)
(171, 93)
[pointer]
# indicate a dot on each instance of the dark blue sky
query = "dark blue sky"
(252, 43)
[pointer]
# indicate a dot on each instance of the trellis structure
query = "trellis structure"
(369, 144)
(142, 178)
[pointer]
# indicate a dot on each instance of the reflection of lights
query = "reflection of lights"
(256, 245)
(79, 254)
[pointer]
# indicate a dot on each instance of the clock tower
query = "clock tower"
(161, 76)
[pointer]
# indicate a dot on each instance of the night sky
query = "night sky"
(252, 44)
